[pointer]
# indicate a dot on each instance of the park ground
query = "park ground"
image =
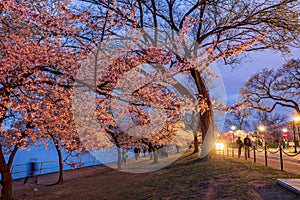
(218, 177)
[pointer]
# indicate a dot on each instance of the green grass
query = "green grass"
(216, 178)
(219, 177)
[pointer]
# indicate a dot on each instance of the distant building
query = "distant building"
(275, 133)
(228, 136)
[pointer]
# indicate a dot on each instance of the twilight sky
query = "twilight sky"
(235, 79)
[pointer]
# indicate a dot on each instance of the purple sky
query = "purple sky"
(235, 79)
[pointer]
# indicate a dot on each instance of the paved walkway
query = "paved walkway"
(143, 164)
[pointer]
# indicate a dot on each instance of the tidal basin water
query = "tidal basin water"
(47, 160)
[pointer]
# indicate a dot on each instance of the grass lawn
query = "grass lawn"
(216, 178)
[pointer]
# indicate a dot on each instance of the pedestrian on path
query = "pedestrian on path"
(124, 156)
(137, 152)
(247, 143)
(32, 168)
(145, 149)
(239, 144)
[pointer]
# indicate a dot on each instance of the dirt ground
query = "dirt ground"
(216, 178)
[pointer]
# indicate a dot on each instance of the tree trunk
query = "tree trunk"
(154, 152)
(60, 180)
(6, 176)
(177, 148)
(119, 158)
(196, 144)
(207, 118)
(155, 156)
(195, 132)
(6, 183)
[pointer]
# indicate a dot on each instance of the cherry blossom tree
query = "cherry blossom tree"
(141, 92)
(220, 24)
(183, 138)
(37, 39)
(55, 120)
(142, 101)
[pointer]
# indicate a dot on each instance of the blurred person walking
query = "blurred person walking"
(32, 169)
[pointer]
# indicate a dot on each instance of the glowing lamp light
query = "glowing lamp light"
(284, 130)
(261, 128)
(220, 146)
(297, 119)
(233, 128)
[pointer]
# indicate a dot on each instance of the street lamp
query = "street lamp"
(232, 128)
(295, 120)
(285, 130)
(262, 129)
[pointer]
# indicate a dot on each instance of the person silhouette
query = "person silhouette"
(124, 156)
(137, 152)
(247, 144)
(32, 168)
(240, 145)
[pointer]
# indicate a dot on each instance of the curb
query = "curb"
(291, 184)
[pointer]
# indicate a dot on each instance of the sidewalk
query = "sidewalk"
(45, 181)
(142, 165)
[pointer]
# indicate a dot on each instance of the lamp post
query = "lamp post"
(232, 128)
(295, 120)
(261, 129)
(285, 130)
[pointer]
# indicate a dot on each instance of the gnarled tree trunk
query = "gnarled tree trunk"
(60, 180)
(6, 176)
(155, 156)
(119, 158)
(6, 182)
(206, 119)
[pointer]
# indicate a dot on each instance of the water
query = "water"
(47, 160)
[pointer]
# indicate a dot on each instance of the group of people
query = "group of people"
(144, 149)
(137, 153)
(246, 143)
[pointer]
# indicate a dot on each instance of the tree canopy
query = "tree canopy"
(218, 24)
(42, 44)
(39, 57)
(268, 89)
